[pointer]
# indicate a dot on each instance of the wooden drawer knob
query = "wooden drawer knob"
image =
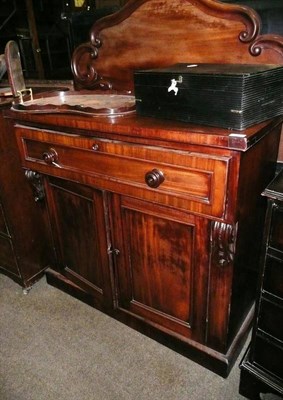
(154, 178)
(50, 156)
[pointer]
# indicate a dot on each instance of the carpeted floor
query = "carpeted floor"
(53, 347)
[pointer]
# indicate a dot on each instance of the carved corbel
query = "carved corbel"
(34, 178)
(223, 243)
(83, 69)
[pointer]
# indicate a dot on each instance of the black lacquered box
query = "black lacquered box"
(233, 96)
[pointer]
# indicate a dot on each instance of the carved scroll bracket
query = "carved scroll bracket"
(223, 242)
(265, 42)
(34, 178)
(84, 55)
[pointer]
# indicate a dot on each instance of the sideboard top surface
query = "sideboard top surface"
(136, 128)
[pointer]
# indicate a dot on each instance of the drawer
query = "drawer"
(268, 356)
(273, 276)
(185, 180)
(271, 319)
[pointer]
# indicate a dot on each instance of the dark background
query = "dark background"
(270, 11)
(59, 27)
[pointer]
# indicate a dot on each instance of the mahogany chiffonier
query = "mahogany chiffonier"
(177, 259)
(157, 223)
(261, 368)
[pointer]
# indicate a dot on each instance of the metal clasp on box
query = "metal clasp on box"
(173, 87)
(23, 92)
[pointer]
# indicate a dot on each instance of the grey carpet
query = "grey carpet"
(54, 347)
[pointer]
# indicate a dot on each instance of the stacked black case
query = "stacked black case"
(233, 96)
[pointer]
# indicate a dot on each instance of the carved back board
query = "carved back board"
(154, 33)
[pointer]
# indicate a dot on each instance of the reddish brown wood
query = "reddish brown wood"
(26, 247)
(77, 219)
(162, 270)
(25, 237)
(153, 130)
(191, 177)
(152, 33)
(195, 236)
(177, 261)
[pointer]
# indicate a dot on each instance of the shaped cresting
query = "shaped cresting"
(155, 33)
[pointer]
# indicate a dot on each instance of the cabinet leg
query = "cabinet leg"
(26, 290)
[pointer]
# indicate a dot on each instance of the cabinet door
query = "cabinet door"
(162, 266)
(79, 227)
(8, 260)
(3, 225)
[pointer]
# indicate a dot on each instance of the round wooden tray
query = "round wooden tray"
(78, 102)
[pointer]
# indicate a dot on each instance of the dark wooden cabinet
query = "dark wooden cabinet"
(161, 233)
(161, 265)
(261, 368)
(157, 223)
(25, 240)
(80, 238)
(8, 260)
